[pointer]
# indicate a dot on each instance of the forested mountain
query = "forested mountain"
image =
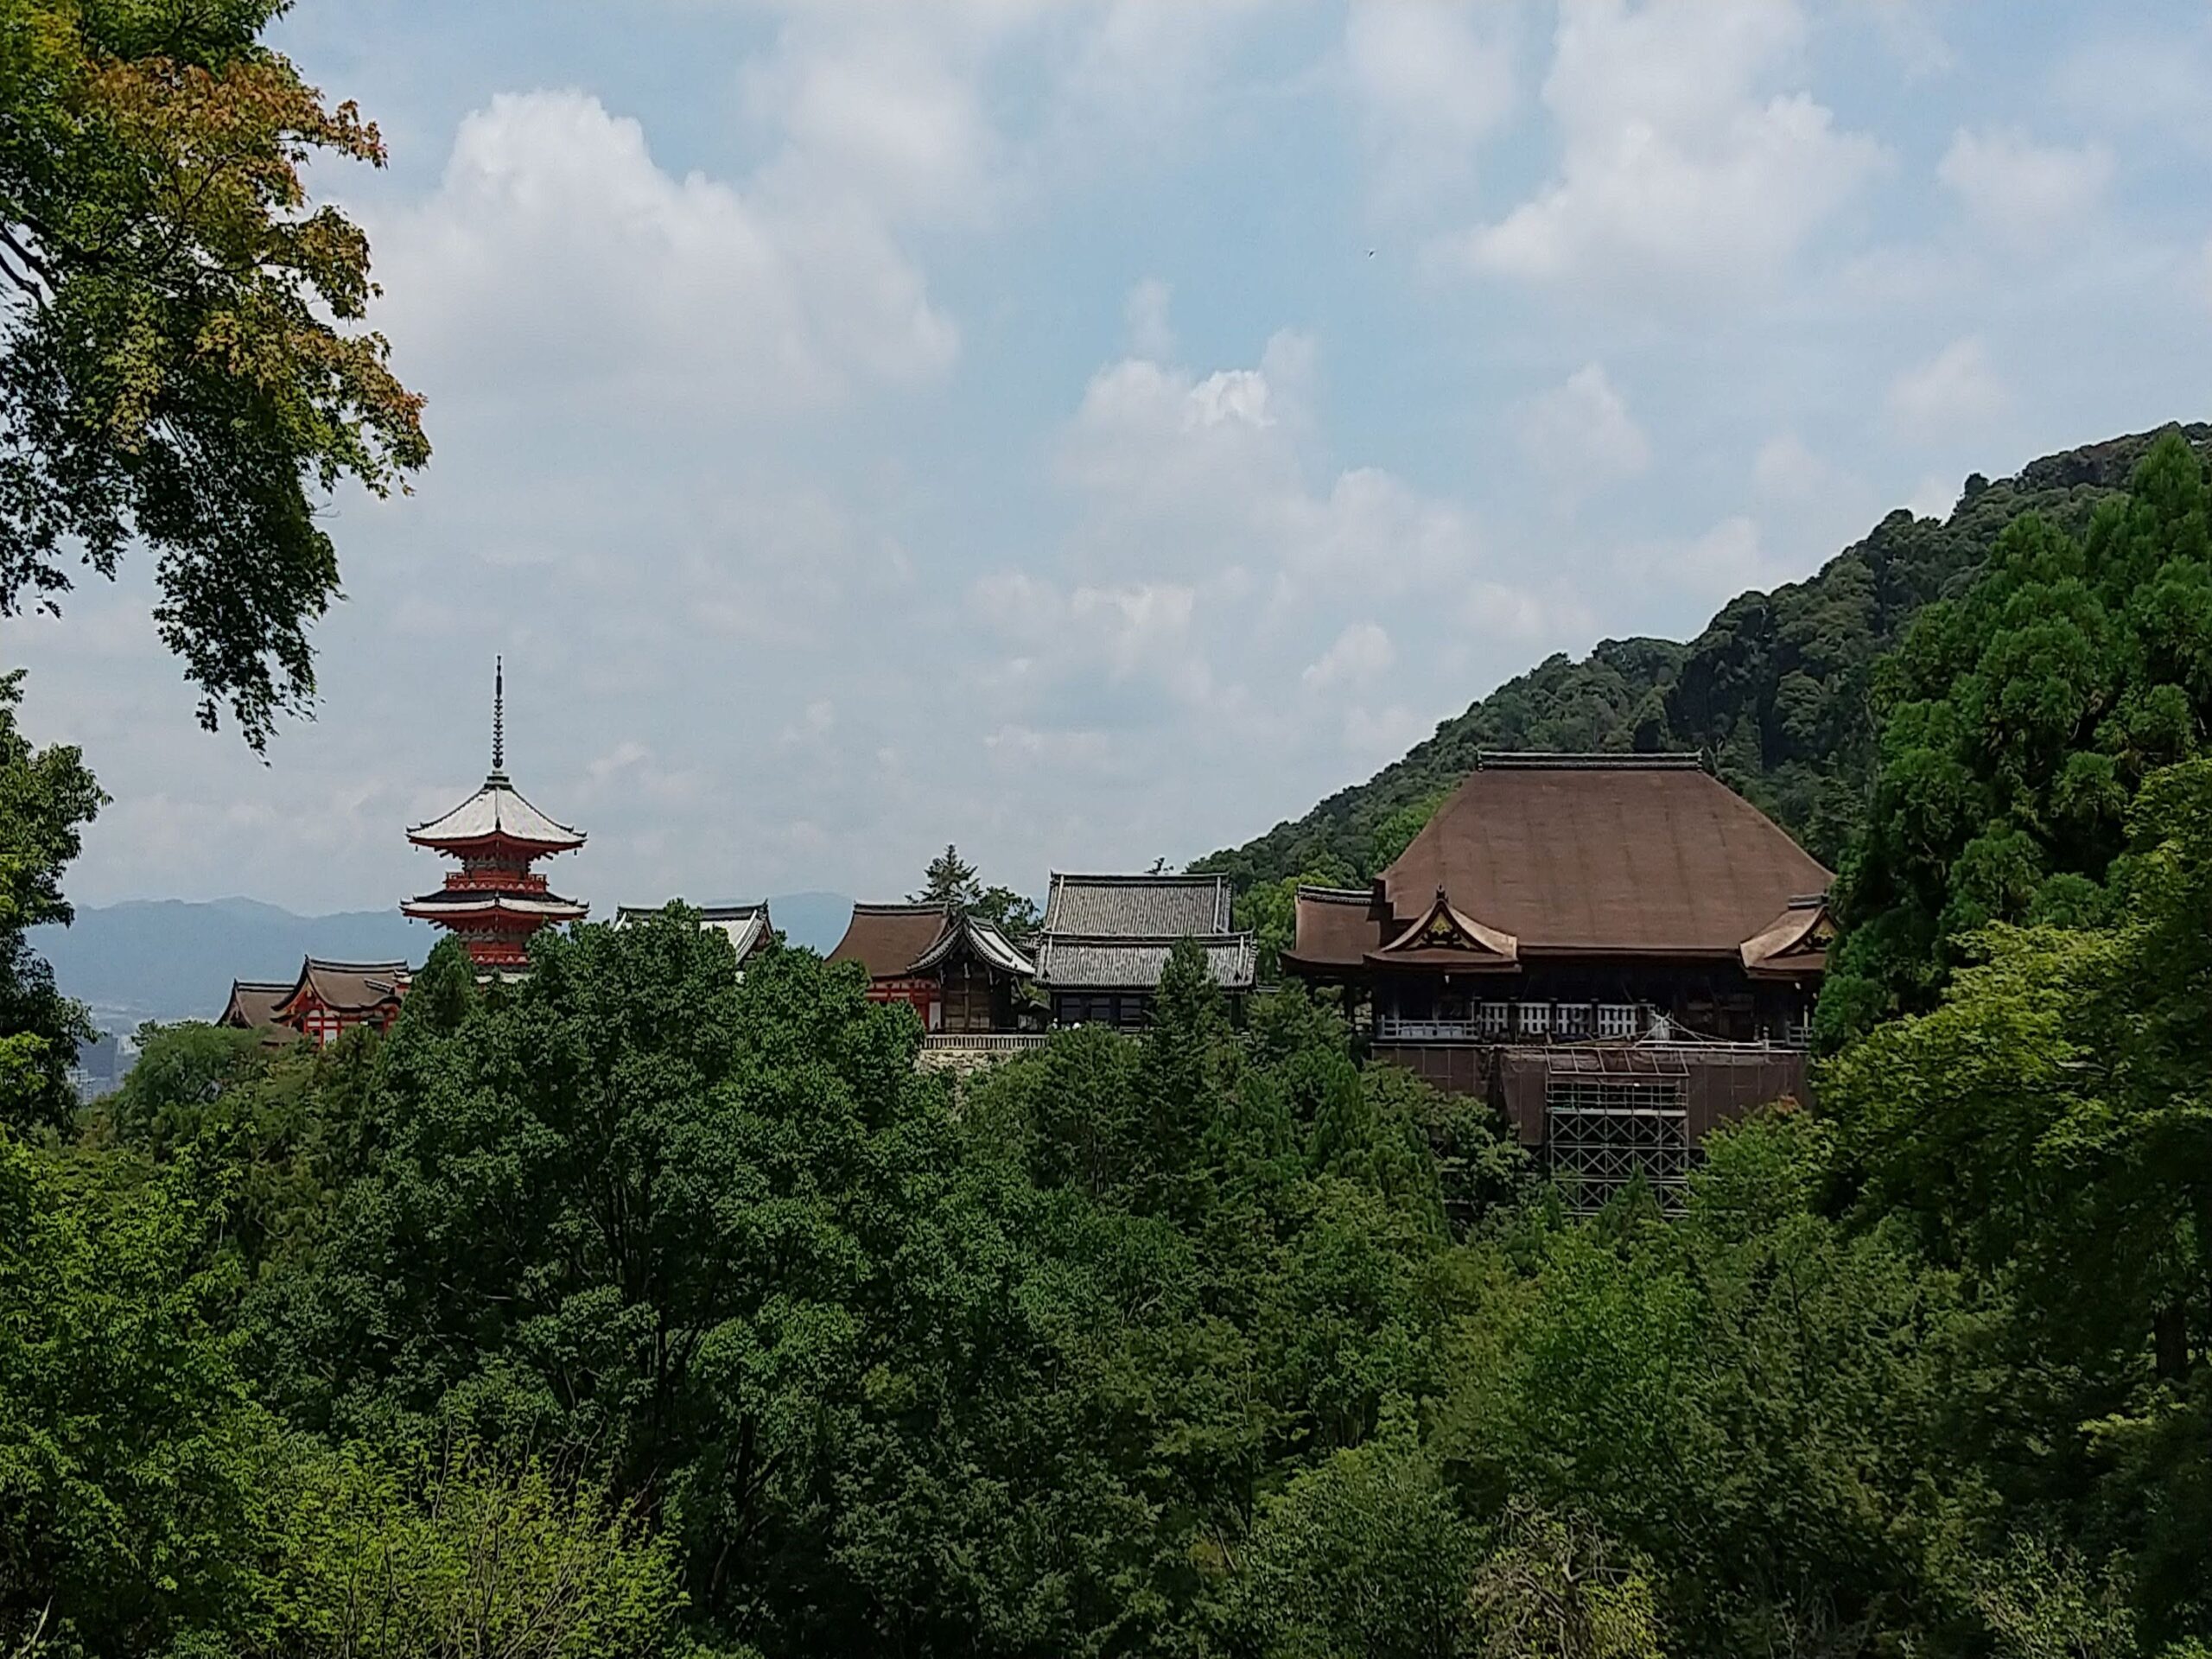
(1776, 687)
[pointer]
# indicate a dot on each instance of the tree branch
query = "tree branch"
(35, 279)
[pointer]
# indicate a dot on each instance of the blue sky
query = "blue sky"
(1091, 430)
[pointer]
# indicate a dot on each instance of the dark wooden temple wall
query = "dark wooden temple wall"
(1718, 1086)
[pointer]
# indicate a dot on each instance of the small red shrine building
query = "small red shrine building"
(326, 1000)
(495, 900)
(958, 972)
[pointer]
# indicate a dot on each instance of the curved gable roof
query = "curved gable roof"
(1629, 853)
(985, 941)
(888, 940)
(344, 986)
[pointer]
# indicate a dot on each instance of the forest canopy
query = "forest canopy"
(636, 1308)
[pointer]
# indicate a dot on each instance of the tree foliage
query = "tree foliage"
(46, 799)
(179, 359)
(636, 1307)
(952, 881)
(2019, 720)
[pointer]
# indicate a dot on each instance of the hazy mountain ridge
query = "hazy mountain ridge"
(1775, 686)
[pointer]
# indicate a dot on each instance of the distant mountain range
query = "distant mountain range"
(170, 959)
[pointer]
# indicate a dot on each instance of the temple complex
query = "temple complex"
(1105, 941)
(1619, 949)
(495, 900)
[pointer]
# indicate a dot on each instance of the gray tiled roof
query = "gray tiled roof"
(986, 940)
(1138, 906)
(1074, 963)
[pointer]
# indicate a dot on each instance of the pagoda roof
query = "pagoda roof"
(1580, 855)
(497, 812)
(1446, 937)
(447, 904)
(1640, 853)
(888, 939)
(1796, 944)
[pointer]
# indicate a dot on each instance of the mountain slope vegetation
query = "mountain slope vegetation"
(1776, 689)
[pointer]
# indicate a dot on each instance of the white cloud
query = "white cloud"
(2023, 192)
(2155, 80)
(1728, 559)
(1361, 653)
(1152, 334)
(877, 112)
(1581, 432)
(1934, 497)
(557, 253)
(1682, 174)
(1431, 78)
(1957, 388)
(1912, 37)
(1785, 469)
(1210, 559)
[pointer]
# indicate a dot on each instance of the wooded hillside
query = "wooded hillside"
(1776, 687)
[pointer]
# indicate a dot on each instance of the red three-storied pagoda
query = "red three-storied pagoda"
(495, 902)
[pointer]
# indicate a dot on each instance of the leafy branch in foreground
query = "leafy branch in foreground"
(178, 359)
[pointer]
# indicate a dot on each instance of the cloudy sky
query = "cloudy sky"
(1090, 430)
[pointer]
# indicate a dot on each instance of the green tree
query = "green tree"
(1365, 1554)
(2018, 722)
(631, 1209)
(2049, 1127)
(1755, 1400)
(271, 1127)
(131, 1465)
(179, 360)
(447, 1556)
(952, 881)
(1554, 1589)
(46, 799)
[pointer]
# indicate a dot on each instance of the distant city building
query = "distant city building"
(1106, 939)
(99, 1067)
(495, 900)
(1619, 949)
(960, 973)
(746, 926)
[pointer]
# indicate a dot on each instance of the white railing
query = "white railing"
(1527, 1022)
(1392, 1029)
(985, 1042)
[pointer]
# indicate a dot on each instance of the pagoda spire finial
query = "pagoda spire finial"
(499, 714)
